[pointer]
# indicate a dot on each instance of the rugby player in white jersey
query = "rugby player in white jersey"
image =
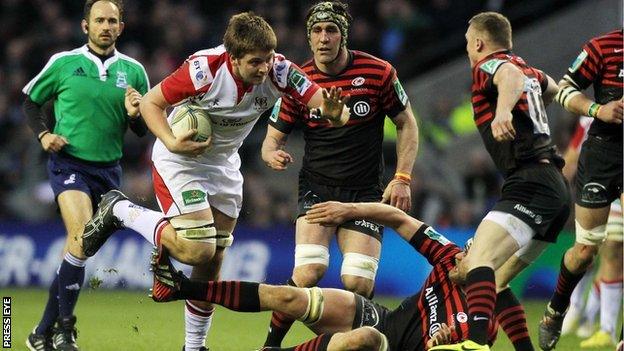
(198, 185)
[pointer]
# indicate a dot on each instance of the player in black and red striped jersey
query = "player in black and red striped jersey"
(344, 320)
(599, 174)
(508, 98)
(346, 163)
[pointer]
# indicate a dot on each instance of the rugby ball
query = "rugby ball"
(188, 117)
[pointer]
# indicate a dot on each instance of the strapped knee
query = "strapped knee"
(201, 230)
(594, 236)
(359, 265)
(314, 311)
(311, 254)
(224, 238)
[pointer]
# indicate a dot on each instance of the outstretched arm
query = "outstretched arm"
(273, 153)
(332, 213)
(578, 103)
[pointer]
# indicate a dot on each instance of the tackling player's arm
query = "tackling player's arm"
(273, 153)
(398, 193)
(333, 213)
(153, 108)
(509, 81)
(551, 91)
(574, 101)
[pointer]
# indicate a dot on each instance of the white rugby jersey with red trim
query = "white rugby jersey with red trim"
(206, 80)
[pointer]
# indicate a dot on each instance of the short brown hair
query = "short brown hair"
(496, 26)
(89, 4)
(248, 32)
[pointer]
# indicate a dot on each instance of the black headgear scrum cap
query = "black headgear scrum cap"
(330, 11)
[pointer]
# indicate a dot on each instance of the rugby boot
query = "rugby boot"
(167, 281)
(40, 342)
(64, 338)
(200, 349)
(466, 345)
(600, 339)
(103, 223)
(549, 329)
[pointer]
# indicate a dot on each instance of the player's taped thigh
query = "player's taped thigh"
(531, 251)
(224, 238)
(200, 230)
(520, 231)
(593, 236)
(311, 254)
(314, 310)
(359, 265)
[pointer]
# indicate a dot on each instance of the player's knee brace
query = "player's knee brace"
(224, 238)
(359, 265)
(314, 311)
(594, 236)
(311, 254)
(201, 230)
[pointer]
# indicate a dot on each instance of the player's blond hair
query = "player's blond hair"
(496, 26)
(248, 32)
(89, 4)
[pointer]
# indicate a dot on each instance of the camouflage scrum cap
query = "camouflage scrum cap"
(329, 11)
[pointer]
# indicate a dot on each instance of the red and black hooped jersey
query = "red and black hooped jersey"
(600, 64)
(351, 155)
(532, 141)
(439, 301)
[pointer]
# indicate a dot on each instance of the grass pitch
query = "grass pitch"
(122, 320)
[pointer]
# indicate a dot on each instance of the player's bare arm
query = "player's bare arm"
(333, 213)
(332, 105)
(551, 91)
(578, 103)
(397, 192)
(510, 83)
(153, 107)
(273, 153)
(131, 101)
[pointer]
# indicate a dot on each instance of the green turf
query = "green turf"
(120, 320)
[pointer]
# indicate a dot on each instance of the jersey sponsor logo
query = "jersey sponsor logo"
(196, 196)
(490, 66)
(298, 81)
(361, 108)
(199, 72)
(578, 61)
(79, 72)
(398, 89)
(358, 81)
(122, 80)
(462, 317)
(71, 179)
(432, 302)
(275, 111)
(234, 122)
(434, 235)
(621, 75)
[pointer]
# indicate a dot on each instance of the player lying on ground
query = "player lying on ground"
(343, 320)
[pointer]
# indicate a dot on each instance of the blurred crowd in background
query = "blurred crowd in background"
(162, 33)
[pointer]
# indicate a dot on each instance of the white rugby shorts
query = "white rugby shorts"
(187, 184)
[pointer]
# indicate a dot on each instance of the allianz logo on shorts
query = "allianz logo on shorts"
(526, 211)
(70, 180)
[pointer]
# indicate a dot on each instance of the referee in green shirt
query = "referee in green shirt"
(96, 92)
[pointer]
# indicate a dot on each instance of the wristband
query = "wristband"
(403, 177)
(593, 110)
(40, 136)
